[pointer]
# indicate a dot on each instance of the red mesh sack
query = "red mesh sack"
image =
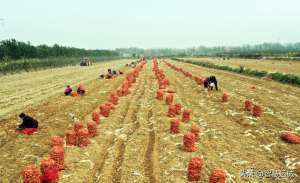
(248, 105)
(50, 176)
(110, 105)
(119, 92)
(178, 108)
(195, 130)
(113, 99)
(225, 97)
(172, 111)
(104, 110)
(57, 154)
(83, 137)
(57, 141)
(47, 164)
(92, 128)
(96, 117)
(77, 126)
(71, 137)
(290, 137)
(195, 169)
(189, 140)
(160, 95)
(186, 115)
(169, 99)
(217, 175)
(174, 127)
(31, 174)
(257, 111)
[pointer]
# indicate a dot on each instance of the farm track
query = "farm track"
(262, 138)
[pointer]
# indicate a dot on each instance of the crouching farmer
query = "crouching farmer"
(81, 90)
(29, 125)
(68, 90)
(210, 83)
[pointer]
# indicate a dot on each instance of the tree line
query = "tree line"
(13, 50)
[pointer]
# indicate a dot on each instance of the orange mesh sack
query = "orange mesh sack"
(217, 175)
(195, 169)
(47, 164)
(248, 105)
(172, 111)
(195, 130)
(160, 95)
(74, 94)
(178, 108)
(174, 127)
(57, 154)
(189, 142)
(169, 99)
(57, 141)
(77, 126)
(96, 117)
(92, 128)
(290, 137)
(257, 111)
(71, 137)
(31, 174)
(83, 137)
(186, 115)
(225, 97)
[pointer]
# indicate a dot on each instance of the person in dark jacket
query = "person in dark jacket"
(211, 82)
(27, 122)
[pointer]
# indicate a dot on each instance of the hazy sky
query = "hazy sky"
(151, 23)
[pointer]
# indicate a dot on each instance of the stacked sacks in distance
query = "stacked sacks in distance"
(31, 174)
(186, 115)
(71, 137)
(172, 111)
(225, 97)
(113, 98)
(96, 117)
(189, 140)
(169, 99)
(195, 169)
(174, 127)
(248, 105)
(92, 128)
(257, 111)
(178, 108)
(198, 80)
(160, 95)
(105, 109)
(195, 130)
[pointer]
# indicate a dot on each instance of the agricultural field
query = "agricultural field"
(134, 143)
(287, 67)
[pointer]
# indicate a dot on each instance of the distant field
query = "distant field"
(288, 67)
(27, 88)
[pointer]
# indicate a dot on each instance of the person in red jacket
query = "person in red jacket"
(81, 90)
